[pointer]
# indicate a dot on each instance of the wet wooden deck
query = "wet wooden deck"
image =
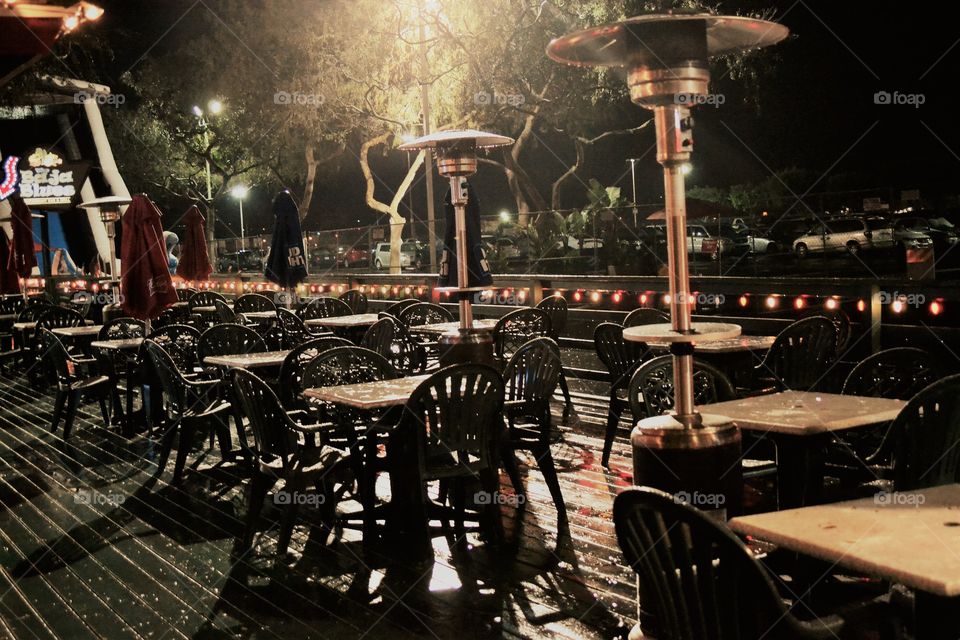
(91, 547)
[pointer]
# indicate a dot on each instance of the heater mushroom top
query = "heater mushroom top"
(467, 139)
(664, 40)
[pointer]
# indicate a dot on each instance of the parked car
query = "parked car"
(324, 259)
(700, 241)
(353, 257)
(748, 241)
(245, 260)
(852, 234)
(501, 248)
(907, 238)
(420, 250)
(381, 255)
(942, 234)
(573, 242)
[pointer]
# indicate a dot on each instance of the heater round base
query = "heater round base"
(664, 333)
(474, 346)
(699, 466)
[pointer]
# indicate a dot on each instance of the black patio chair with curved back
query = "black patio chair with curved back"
(516, 328)
(355, 299)
(190, 406)
(183, 294)
(179, 341)
(71, 388)
(27, 347)
(58, 317)
(290, 380)
(82, 303)
(254, 302)
(841, 321)
(925, 437)
(530, 379)
(226, 315)
(323, 307)
(9, 306)
(391, 339)
(278, 456)
(861, 456)
(122, 329)
(451, 426)
(650, 391)
(556, 307)
(800, 356)
(395, 308)
(698, 581)
(423, 313)
(229, 339)
(644, 315)
(204, 299)
(292, 328)
(621, 358)
(117, 364)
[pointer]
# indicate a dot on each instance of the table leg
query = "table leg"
(799, 469)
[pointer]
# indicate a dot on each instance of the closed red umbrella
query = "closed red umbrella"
(194, 261)
(145, 285)
(23, 253)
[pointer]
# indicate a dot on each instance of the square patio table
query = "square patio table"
(77, 332)
(800, 424)
(369, 395)
(441, 328)
(912, 538)
(249, 360)
(344, 322)
(118, 344)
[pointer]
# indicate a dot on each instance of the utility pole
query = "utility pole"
(427, 154)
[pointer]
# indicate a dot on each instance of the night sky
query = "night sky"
(816, 110)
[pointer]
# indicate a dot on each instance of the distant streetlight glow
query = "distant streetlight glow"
(504, 216)
(240, 191)
(215, 107)
(197, 111)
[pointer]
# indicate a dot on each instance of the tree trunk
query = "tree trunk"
(310, 157)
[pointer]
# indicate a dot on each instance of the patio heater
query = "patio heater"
(666, 61)
(456, 153)
(109, 208)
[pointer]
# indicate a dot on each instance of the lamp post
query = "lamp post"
(240, 192)
(666, 59)
(633, 180)
(214, 107)
(457, 158)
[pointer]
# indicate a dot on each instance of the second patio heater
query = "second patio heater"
(666, 57)
(456, 153)
(109, 208)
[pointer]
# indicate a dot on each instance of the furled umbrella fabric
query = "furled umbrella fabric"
(286, 265)
(478, 270)
(145, 283)
(194, 261)
(23, 252)
(9, 281)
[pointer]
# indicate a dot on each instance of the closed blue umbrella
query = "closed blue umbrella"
(287, 263)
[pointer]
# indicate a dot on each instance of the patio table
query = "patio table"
(440, 328)
(369, 395)
(912, 538)
(118, 344)
(343, 322)
(249, 360)
(260, 315)
(77, 332)
(800, 424)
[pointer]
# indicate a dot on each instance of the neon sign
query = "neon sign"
(11, 177)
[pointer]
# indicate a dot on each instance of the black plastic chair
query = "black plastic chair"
(122, 329)
(229, 339)
(422, 313)
(530, 379)
(925, 438)
(516, 328)
(204, 299)
(290, 380)
(642, 316)
(452, 426)
(391, 339)
(71, 388)
(379, 336)
(279, 456)
(179, 341)
(621, 358)
(356, 300)
(800, 356)
(556, 307)
(191, 405)
(293, 330)
(183, 295)
(57, 317)
(254, 302)
(651, 392)
(323, 307)
(697, 580)
(226, 315)
(117, 364)
(395, 308)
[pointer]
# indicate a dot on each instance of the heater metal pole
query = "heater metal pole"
(459, 201)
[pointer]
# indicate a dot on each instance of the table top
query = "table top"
(352, 320)
(249, 360)
(26, 326)
(806, 413)
(663, 333)
(730, 345)
(207, 309)
(78, 332)
(369, 395)
(260, 315)
(118, 344)
(7, 316)
(910, 537)
(447, 327)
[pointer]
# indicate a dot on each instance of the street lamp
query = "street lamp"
(504, 216)
(240, 192)
(214, 107)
